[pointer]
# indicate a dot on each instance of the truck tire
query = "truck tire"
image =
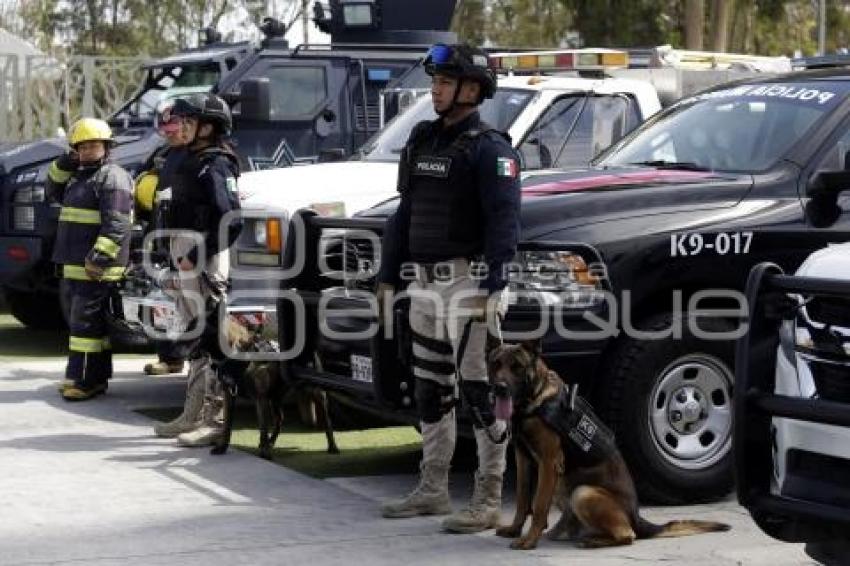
(39, 311)
(669, 404)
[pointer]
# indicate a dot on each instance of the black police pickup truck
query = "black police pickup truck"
(291, 104)
(669, 222)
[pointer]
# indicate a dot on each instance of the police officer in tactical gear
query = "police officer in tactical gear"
(456, 227)
(155, 175)
(203, 191)
(92, 246)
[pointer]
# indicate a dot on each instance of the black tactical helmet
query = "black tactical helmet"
(462, 62)
(206, 108)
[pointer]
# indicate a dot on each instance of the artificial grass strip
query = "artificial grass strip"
(17, 341)
(369, 452)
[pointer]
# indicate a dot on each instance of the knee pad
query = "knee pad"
(434, 400)
(478, 397)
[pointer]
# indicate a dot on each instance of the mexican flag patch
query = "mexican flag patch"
(506, 167)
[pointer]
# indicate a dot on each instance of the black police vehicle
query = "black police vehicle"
(668, 223)
(301, 104)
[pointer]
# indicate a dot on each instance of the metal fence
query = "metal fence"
(40, 94)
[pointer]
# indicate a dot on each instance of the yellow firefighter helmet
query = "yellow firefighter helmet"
(89, 129)
(146, 190)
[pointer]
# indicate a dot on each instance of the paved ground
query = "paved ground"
(88, 484)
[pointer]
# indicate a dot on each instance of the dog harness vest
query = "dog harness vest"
(585, 438)
(446, 216)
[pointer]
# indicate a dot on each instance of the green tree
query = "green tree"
(469, 21)
(37, 20)
(528, 23)
(123, 27)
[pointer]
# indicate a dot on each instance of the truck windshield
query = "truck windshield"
(168, 82)
(499, 111)
(744, 129)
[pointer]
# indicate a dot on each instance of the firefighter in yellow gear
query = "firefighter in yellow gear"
(92, 248)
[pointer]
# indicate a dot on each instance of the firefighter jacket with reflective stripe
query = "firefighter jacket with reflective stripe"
(203, 190)
(460, 198)
(94, 223)
(585, 438)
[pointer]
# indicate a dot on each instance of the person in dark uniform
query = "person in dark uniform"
(203, 191)
(92, 247)
(455, 229)
(171, 354)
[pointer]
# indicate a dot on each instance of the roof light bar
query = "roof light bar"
(560, 60)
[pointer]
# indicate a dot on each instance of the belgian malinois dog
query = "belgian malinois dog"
(262, 381)
(576, 460)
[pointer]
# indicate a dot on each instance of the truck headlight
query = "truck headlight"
(817, 342)
(550, 278)
(261, 243)
(260, 232)
(264, 233)
(23, 218)
(29, 194)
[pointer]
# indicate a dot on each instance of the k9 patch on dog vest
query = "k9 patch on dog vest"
(431, 166)
(586, 439)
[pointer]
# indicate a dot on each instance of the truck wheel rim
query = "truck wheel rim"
(690, 412)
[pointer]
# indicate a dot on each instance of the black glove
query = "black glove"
(69, 161)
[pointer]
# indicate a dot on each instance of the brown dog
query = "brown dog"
(574, 455)
(262, 382)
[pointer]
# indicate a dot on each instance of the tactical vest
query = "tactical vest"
(80, 224)
(167, 166)
(585, 439)
(446, 220)
(187, 205)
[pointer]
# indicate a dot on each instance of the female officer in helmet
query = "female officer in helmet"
(92, 244)
(203, 192)
(156, 173)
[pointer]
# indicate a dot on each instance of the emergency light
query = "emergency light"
(560, 60)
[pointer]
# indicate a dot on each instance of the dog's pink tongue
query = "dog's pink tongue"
(504, 408)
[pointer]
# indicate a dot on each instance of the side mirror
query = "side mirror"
(254, 99)
(823, 189)
(828, 183)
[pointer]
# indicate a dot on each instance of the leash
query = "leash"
(476, 413)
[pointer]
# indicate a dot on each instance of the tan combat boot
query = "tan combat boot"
(79, 393)
(431, 495)
(188, 419)
(211, 425)
(484, 509)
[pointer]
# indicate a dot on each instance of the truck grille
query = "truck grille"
(350, 257)
(367, 118)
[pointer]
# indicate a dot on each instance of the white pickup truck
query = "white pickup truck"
(554, 122)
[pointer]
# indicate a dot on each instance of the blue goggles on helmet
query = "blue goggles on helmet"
(440, 54)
